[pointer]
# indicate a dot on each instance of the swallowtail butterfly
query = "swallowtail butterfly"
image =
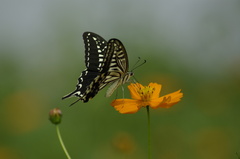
(106, 62)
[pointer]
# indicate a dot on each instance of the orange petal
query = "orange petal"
(176, 96)
(167, 101)
(134, 88)
(157, 90)
(126, 106)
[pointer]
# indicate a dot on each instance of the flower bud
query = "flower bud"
(55, 116)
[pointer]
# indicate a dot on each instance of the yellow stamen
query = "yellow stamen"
(146, 93)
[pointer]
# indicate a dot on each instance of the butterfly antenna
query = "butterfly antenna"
(138, 65)
(139, 58)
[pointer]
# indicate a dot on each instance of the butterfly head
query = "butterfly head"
(127, 76)
(130, 74)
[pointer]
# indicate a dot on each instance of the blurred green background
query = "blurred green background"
(193, 45)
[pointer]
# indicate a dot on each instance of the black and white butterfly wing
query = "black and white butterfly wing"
(95, 60)
(106, 62)
(117, 73)
(95, 52)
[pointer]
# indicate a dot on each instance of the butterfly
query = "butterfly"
(106, 63)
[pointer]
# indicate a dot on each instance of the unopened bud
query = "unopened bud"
(55, 116)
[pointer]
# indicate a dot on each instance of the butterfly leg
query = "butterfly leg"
(123, 90)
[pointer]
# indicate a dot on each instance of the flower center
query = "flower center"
(146, 93)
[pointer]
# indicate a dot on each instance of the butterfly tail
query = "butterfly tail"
(74, 93)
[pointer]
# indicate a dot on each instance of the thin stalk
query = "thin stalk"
(149, 134)
(237, 155)
(62, 143)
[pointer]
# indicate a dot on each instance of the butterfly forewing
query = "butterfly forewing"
(118, 67)
(120, 59)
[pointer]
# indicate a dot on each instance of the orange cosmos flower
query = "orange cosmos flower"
(143, 96)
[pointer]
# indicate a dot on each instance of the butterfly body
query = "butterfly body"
(106, 62)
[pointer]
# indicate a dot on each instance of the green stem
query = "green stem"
(62, 143)
(237, 155)
(149, 134)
